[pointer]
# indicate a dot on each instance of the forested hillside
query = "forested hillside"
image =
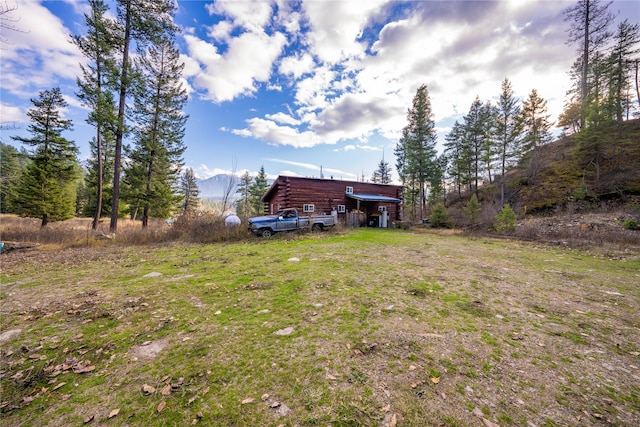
(569, 173)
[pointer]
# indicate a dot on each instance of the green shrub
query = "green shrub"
(472, 209)
(505, 220)
(440, 217)
(631, 224)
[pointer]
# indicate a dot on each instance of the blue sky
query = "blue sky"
(300, 86)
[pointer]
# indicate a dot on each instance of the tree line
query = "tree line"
(139, 99)
(134, 98)
(493, 138)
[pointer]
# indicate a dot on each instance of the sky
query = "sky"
(308, 88)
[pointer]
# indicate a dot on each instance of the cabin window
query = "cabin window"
(349, 190)
(341, 209)
(308, 208)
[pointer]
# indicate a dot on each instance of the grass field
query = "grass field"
(355, 328)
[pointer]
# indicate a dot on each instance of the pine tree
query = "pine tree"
(589, 21)
(536, 129)
(382, 175)
(156, 158)
(189, 191)
(627, 42)
(94, 92)
(47, 188)
(142, 21)
(490, 145)
(458, 157)
(508, 131)
(474, 135)
(416, 152)
(257, 189)
(10, 171)
(243, 204)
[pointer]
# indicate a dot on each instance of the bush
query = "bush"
(631, 224)
(505, 221)
(472, 209)
(440, 217)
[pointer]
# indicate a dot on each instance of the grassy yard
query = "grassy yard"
(363, 327)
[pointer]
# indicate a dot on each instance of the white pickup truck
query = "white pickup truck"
(288, 220)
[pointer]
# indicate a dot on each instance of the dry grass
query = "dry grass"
(77, 232)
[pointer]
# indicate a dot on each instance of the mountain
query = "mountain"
(213, 188)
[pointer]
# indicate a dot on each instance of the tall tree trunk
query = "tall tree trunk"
(96, 216)
(120, 126)
(637, 81)
(585, 65)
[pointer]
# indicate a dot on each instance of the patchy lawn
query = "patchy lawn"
(366, 327)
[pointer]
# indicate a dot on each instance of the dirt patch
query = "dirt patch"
(150, 349)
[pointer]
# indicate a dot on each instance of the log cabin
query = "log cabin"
(353, 203)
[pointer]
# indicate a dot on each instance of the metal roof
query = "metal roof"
(373, 198)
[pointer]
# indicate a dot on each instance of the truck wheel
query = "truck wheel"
(317, 228)
(266, 232)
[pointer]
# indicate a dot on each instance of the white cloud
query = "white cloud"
(252, 15)
(311, 167)
(352, 147)
(11, 114)
(336, 27)
(283, 118)
(248, 58)
(39, 55)
(272, 133)
(297, 66)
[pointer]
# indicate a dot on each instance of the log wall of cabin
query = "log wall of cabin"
(326, 195)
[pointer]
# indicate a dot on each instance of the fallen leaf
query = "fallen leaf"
(394, 420)
(89, 419)
(161, 406)
(264, 397)
(114, 412)
(148, 389)
(385, 408)
(248, 400)
(192, 399)
(166, 390)
(58, 386)
(435, 380)
(331, 377)
(206, 390)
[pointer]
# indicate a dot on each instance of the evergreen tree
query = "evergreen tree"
(11, 166)
(97, 46)
(189, 191)
(536, 129)
(156, 158)
(490, 146)
(458, 157)
(142, 21)
(474, 136)
(627, 45)
(257, 189)
(416, 152)
(589, 21)
(47, 188)
(243, 204)
(472, 209)
(508, 132)
(382, 175)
